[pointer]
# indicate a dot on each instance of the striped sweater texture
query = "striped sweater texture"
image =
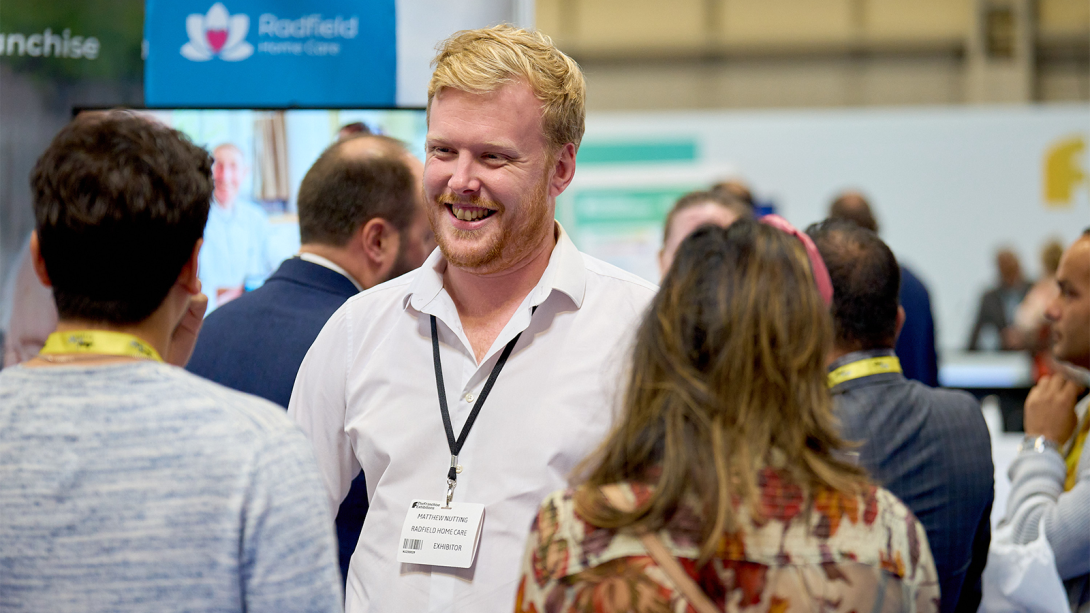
(140, 487)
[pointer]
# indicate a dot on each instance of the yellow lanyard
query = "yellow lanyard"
(864, 368)
(1075, 454)
(99, 342)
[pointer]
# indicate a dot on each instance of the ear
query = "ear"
(380, 241)
(662, 263)
(900, 323)
(37, 261)
(187, 278)
(563, 171)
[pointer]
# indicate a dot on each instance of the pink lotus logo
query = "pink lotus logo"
(217, 33)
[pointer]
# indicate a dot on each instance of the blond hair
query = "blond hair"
(481, 61)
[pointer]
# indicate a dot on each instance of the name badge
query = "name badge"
(441, 537)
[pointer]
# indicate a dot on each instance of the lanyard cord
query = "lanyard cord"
(864, 368)
(98, 342)
(456, 444)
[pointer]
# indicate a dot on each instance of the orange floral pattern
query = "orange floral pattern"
(833, 553)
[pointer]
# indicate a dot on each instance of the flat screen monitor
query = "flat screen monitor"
(262, 156)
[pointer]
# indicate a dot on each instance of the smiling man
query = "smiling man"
(507, 340)
(1050, 476)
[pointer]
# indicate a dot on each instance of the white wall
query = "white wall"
(422, 24)
(949, 185)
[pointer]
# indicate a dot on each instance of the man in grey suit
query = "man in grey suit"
(928, 446)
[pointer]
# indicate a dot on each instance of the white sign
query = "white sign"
(949, 185)
(441, 536)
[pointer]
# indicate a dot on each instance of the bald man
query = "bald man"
(361, 222)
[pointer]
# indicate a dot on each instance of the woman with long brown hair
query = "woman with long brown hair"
(724, 485)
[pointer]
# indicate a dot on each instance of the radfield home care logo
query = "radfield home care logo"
(220, 34)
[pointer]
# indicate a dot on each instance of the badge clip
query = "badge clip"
(452, 479)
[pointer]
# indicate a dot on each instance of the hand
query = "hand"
(1050, 409)
(184, 338)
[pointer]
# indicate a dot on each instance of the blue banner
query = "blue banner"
(255, 53)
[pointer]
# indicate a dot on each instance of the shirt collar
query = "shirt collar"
(855, 356)
(314, 258)
(565, 273)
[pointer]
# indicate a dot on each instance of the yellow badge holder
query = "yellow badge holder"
(864, 368)
(100, 342)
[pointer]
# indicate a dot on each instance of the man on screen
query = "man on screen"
(507, 299)
(237, 233)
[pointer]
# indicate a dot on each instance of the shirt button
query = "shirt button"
(468, 397)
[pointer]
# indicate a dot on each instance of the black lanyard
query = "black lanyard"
(456, 444)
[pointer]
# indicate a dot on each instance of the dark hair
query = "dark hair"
(356, 127)
(853, 206)
(344, 190)
(728, 375)
(692, 199)
(737, 190)
(119, 203)
(866, 281)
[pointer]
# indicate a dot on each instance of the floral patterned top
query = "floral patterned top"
(865, 553)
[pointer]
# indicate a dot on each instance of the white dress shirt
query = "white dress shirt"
(366, 397)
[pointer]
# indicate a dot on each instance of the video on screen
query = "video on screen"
(261, 158)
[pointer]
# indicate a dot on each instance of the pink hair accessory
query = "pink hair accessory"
(821, 273)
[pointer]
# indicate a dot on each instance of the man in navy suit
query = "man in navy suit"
(916, 343)
(361, 222)
(929, 446)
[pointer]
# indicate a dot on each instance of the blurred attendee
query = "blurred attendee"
(361, 223)
(1030, 320)
(854, 206)
(724, 479)
(906, 429)
(916, 344)
(1050, 476)
(355, 128)
(507, 310)
(994, 327)
(129, 484)
(738, 190)
(237, 234)
(692, 211)
(33, 315)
